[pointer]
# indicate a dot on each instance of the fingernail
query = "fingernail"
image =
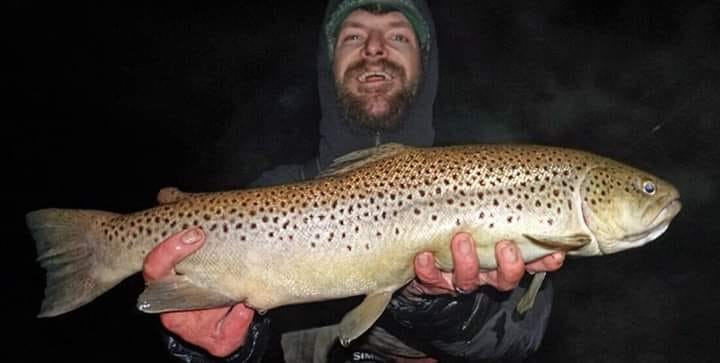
(465, 247)
(191, 236)
(509, 253)
(423, 260)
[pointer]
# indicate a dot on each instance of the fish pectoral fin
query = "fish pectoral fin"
(527, 301)
(179, 293)
(360, 319)
(562, 243)
(360, 158)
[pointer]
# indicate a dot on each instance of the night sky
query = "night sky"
(108, 102)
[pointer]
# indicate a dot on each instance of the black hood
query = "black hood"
(337, 139)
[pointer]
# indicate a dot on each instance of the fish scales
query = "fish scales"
(356, 230)
(413, 201)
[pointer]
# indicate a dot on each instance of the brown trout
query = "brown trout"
(356, 229)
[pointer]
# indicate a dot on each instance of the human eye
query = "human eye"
(400, 38)
(351, 38)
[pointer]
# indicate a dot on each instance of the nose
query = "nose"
(375, 46)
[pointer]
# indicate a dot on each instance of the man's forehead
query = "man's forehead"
(362, 18)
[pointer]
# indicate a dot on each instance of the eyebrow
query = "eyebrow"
(393, 24)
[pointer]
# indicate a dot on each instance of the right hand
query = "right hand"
(220, 331)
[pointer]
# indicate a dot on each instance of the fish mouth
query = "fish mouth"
(375, 76)
(658, 226)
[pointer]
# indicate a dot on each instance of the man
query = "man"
(377, 66)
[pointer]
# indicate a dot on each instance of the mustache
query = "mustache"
(362, 65)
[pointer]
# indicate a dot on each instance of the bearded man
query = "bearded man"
(377, 69)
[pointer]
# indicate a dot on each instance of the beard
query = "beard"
(355, 109)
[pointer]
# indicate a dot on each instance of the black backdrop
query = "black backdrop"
(108, 102)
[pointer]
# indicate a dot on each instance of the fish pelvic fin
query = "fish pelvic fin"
(180, 293)
(528, 299)
(363, 316)
(71, 249)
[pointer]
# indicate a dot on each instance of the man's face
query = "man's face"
(377, 69)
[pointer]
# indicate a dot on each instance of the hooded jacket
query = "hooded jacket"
(478, 326)
(336, 138)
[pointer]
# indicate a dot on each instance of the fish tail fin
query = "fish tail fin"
(71, 247)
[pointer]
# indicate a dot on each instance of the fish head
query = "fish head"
(625, 207)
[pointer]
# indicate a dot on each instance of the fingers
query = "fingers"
(429, 275)
(465, 276)
(220, 331)
(233, 330)
(510, 270)
(547, 263)
(162, 259)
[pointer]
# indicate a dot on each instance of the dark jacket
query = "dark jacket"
(473, 327)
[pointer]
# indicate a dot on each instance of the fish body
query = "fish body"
(356, 229)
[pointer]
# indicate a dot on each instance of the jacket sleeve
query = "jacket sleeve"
(481, 326)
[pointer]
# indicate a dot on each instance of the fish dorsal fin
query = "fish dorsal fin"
(362, 157)
(561, 243)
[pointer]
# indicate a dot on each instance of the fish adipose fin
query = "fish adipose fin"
(560, 243)
(528, 299)
(360, 319)
(360, 158)
(179, 293)
(71, 249)
(169, 195)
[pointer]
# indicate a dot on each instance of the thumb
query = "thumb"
(161, 260)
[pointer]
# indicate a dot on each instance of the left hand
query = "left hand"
(467, 275)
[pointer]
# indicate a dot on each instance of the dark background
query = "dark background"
(106, 103)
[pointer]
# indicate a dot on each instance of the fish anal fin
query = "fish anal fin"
(179, 293)
(362, 317)
(360, 158)
(561, 243)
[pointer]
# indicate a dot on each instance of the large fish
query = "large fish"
(356, 229)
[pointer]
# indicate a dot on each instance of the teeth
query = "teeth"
(363, 77)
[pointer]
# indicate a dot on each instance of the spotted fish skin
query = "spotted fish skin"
(357, 229)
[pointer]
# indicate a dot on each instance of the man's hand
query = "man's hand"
(220, 331)
(467, 275)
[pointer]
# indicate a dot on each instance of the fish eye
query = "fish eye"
(649, 187)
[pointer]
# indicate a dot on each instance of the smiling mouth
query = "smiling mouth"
(374, 77)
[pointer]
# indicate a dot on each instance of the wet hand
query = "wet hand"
(467, 276)
(220, 331)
